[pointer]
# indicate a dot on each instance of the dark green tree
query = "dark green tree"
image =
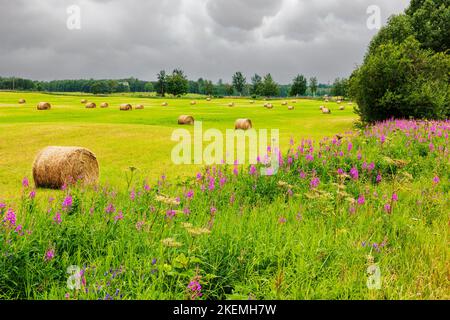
(269, 87)
(239, 82)
(299, 86)
(177, 83)
(161, 84)
(313, 85)
(257, 85)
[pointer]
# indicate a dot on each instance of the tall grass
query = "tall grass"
(376, 197)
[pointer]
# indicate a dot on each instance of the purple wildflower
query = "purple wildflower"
(25, 182)
(50, 254)
(361, 200)
(314, 182)
(67, 203)
(57, 218)
(394, 197)
(354, 173)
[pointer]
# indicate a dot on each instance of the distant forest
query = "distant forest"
(163, 85)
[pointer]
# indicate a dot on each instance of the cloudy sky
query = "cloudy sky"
(206, 38)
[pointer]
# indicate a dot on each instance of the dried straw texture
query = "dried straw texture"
(342, 108)
(290, 107)
(104, 105)
(139, 107)
(185, 119)
(126, 107)
(208, 99)
(91, 105)
(326, 110)
(43, 106)
(21, 101)
(56, 166)
(231, 104)
(268, 105)
(164, 104)
(193, 102)
(83, 101)
(284, 103)
(243, 124)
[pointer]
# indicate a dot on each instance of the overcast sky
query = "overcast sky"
(206, 38)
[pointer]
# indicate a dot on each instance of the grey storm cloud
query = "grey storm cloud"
(206, 38)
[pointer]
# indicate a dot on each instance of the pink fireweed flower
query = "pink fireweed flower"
(212, 184)
(302, 174)
(222, 181)
(213, 210)
(170, 213)
(361, 200)
(2, 206)
(50, 254)
(436, 180)
(199, 176)
(110, 208)
(57, 218)
(282, 220)
(67, 203)
(290, 192)
(341, 154)
(382, 138)
(32, 194)
(252, 170)
(340, 171)
(236, 171)
(187, 211)
(352, 209)
(309, 157)
(119, 216)
(379, 178)
(25, 182)
(349, 147)
(314, 182)
(132, 195)
(19, 229)
(394, 197)
(195, 288)
(387, 208)
(10, 217)
(190, 194)
(139, 225)
(354, 173)
(147, 187)
(431, 147)
(359, 155)
(232, 198)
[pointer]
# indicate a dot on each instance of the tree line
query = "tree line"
(177, 83)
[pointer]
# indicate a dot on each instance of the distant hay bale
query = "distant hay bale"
(339, 101)
(83, 101)
(342, 108)
(243, 124)
(185, 119)
(91, 105)
(56, 166)
(43, 106)
(126, 107)
(193, 102)
(164, 104)
(294, 101)
(208, 99)
(268, 105)
(21, 101)
(139, 107)
(252, 101)
(321, 107)
(326, 110)
(104, 105)
(326, 100)
(284, 103)
(290, 107)
(231, 104)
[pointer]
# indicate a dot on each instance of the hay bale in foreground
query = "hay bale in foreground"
(91, 105)
(22, 101)
(185, 119)
(104, 105)
(243, 124)
(43, 106)
(164, 104)
(56, 166)
(139, 107)
(290, 107)
(326, 110)
(126, 107)
(83, 101)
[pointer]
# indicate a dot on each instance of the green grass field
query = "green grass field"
(140, 138)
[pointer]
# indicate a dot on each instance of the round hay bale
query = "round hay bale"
(231, 104)
(21, 101)
(326, 110)
(294, 101)
(321, 107)
(56, 166)
(83, 101)
(91, 105)
(185, 119)
(290, 107)
(342, 108)
(208, 99)
(43, 106)
(164, 104)
(104, 105)
(139, 107)
(339, 101)
(126, 107)
(268, 105)
(193, 102)
(243, 124)
(252, 101)
(284, 103)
